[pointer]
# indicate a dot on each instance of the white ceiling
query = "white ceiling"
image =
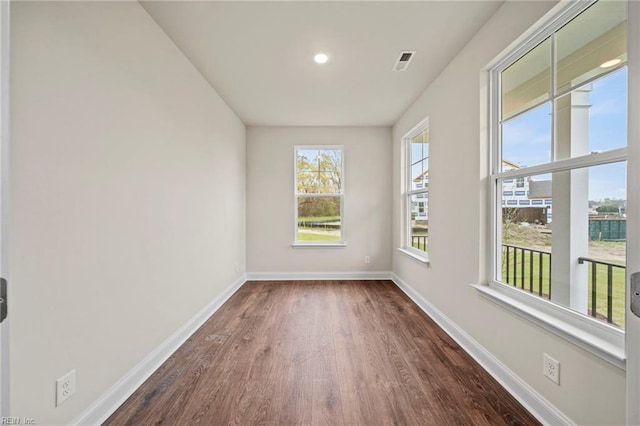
(259, 55)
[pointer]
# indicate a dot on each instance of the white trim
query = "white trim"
(535, 403)
(319, 245)
(633, 209)
(418, 128)
(595, 158)
(420, 258)
(594, 336)
(4, 203)
(406, 188)
(340, 194)
(108, 403)
(314, 276)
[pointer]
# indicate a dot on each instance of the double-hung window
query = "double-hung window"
(319, 195)
(559, 137)
(416, 194)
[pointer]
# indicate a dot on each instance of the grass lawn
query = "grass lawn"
(315, 236)
(529, 284)
(601, 291)
(319, 219)
(618, 308)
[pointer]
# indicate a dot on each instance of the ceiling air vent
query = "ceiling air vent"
(403, 60)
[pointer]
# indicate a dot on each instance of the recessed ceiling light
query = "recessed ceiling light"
(611, 63)
(321, 58)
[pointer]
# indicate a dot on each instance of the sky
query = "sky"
(527, 138)
(419, 159)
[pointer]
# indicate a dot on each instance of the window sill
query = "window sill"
(602, 340)
(319, 245)
(420, 258)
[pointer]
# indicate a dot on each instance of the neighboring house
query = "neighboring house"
(527, 193)
(516, 193)
(421, 207)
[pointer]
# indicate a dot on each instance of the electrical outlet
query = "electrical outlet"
(551, 369)
(367, 259)
(237, 267)
(65, 387)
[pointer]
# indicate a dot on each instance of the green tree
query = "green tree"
(607, 208)
(319, 172)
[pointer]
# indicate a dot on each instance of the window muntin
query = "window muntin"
(319, 193)
(417, 190)
(555, 134)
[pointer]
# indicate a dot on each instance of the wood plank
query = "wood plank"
(320, 353)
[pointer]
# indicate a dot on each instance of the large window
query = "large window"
(319, 194)
(558, 170)
(417, 190)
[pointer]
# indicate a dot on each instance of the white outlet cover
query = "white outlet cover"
(551, 369)
(65, 387)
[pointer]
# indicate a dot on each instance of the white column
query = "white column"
(570, 237)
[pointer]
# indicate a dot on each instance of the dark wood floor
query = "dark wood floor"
(320, 352)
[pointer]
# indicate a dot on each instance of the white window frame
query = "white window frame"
(407, 193)
(296, 194)
(601, 339)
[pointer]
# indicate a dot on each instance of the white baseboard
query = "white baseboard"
(106, 405)
(290, 276)
(537, 405)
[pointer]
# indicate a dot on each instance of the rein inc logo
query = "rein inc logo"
(17, 421)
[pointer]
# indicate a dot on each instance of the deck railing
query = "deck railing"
(419, 242)
(520, 267)
(594, 284)
(530, 270)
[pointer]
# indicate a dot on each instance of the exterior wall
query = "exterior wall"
(592, 391)
(127, 198)
(270, 200)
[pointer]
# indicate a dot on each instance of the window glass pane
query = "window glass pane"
(526, 139)
(420, 151)
(527, 82)
(307, 160)
(329, 160)
(592, 117)
(591, 44)
(307, 182)
(608, 113)
(419, 160)
(319, 171)
(607, 239)
(419, 207)
(416, 175)
(319, 219)
(557, 228)
(330, 182)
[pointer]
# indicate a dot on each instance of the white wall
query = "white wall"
(592, 391)
(127, 197)
(270, 200)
